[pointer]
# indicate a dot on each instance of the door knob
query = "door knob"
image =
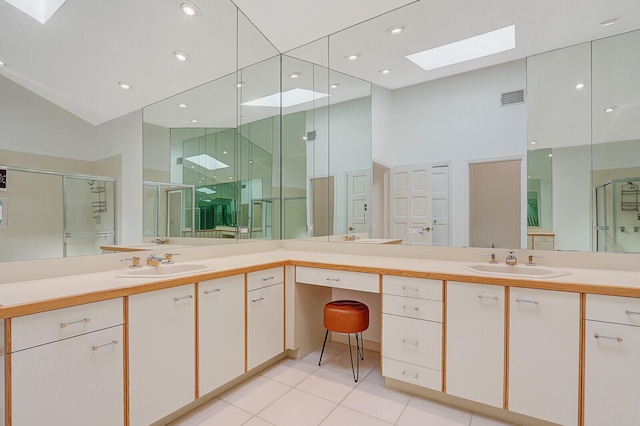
(351, 228)
(428, 229)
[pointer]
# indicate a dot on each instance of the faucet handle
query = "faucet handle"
(169, 257)
(493, 257)
(531, 257)
(135, 261)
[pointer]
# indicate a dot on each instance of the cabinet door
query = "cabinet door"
(544, 353)
(475, 342)
(612, 374)
(161, 353)
(265, 324)
(220, 331)
(76, 381)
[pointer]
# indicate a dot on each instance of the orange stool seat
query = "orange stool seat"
(346, 316)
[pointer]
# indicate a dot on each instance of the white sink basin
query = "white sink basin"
(521, 271)
(168, 270)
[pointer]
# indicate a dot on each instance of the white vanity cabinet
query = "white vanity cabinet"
(161, 353)
(475, 342)
(412, 330)
(544, 354)
(265, 315)
(612, 361)
(67, 366)
(220, 332)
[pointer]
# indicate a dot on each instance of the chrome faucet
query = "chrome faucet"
(168, 257)
(511, 259)
(531, 257)
(135, 261)
(154, 260)
(493, 257)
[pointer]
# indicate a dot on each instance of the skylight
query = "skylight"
(206, 161)
(465, 50)
(40, 10)
(206, 190)
(289, 98)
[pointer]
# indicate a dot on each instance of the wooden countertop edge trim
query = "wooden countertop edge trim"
(10, 311)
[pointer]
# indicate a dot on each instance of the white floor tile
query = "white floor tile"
(297, 408)
(256, 421)
(421, 412)
(375, 400)
(342, 362)
(289, 371)
(329, 384)
(330, 351)
(214, 412)
(342, 416)
(478, 420)
(255, 394)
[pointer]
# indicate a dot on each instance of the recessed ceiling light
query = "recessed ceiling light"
(195, 120)
(2, 64)
(181, 56)
(550, 155)
(224, 152)
(610, 109)
(182, 105)
(250, 161)
(395, 30)
(580, 86)
(334, 85)
(533, 142)
(609, 22)
(482, 45)
(528, 177)
(384, 72)
(295, 75)
(189, 9)
(124, 86)
(304, 138)
(353, 56)
(239, 84)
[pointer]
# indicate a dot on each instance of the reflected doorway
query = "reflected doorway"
(322, 190)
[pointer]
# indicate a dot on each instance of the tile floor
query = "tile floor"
(299, 393)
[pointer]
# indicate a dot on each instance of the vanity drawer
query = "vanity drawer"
(37, 329)
(414, 341)
(423, 309)
(619, 310)
(406, 372)
(339, 279)
(259, 279)
(420, 288)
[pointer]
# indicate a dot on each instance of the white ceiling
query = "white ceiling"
(77, 58)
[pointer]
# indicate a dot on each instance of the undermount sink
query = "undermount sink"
(165, 270)
(521, 271)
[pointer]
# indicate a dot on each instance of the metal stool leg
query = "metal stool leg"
(323, 345)
(361, 348)
(355, 376)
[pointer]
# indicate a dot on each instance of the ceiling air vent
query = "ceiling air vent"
(512, 98)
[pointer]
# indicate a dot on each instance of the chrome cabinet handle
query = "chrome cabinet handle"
(598, 336)
(98, 347)
(483, 296)
(257, 300)
(527, 301)
(215, 290)
(333, 279)
(83, 320)
(410, 373)
(410, 342)
(268, 278)
(414, 308)
(628, 312)
(188, 296)
(404, 287)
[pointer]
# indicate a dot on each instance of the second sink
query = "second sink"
(164, 270)
(515, 270)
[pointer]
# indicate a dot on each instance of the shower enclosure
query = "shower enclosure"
(618, 215)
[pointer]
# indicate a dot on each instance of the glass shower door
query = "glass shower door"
(89, 215)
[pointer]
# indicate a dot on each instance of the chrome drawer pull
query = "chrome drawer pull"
(83, 320)
(333, 279)
(404, 287)
(410, 342)
(257, 300)
(268, 278)
(415, 308)
(215, 290)
(628, 312)
(482, 296)
(535, 302)
(410, 373)
(188, 296)
(598, 336)
(97, 347)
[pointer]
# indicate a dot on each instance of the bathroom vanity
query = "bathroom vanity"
(120, 347)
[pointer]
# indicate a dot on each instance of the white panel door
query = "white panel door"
(440, 205)
(410, 217)
(359, 201)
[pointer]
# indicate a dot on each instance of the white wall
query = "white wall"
(456, 119)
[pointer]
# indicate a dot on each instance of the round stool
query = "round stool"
(347, 316)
